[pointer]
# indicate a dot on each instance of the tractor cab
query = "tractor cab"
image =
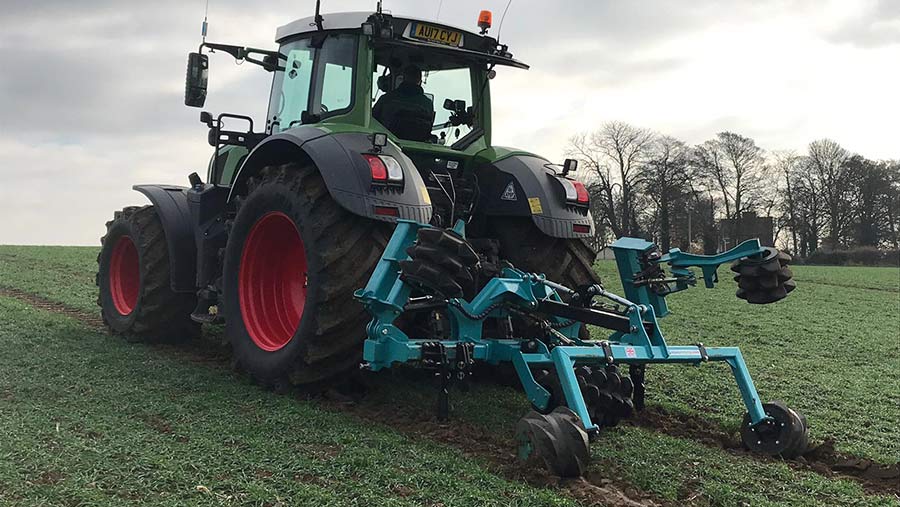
(343, 66)
(355, 71)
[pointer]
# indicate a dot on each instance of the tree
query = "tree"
(872, 192)
(615, 156)
(734, 168)
(893, 205)
(827, 159)
(665, 182)
(786, 164)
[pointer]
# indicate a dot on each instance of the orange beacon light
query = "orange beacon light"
(484, 21)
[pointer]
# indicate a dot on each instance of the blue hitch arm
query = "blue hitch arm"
(709, 264)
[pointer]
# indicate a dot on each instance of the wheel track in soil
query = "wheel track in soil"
(89, 319)
(474, 441)
(471, 440)
(821, 457)
(594, 489)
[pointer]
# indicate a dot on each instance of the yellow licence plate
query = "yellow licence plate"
(436, 34)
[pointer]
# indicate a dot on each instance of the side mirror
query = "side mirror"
(196, 79)
(456, 106)
(569, 166)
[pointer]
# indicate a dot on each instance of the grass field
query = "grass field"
(87, 419)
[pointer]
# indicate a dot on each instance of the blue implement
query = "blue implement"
(636, 337)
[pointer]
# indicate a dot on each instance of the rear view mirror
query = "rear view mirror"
(456, 106)
(196, 79)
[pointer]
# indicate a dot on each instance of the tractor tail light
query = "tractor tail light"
(394, 171)
(376, 166)
(387, 211)
(581, 193)
(576, 193)
(384, 168)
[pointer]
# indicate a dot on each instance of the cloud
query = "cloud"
(871, 25)
(91, 91)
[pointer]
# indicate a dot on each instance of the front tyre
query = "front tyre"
(135, 293)
(293, 259)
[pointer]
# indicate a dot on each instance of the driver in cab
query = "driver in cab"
(406, 111)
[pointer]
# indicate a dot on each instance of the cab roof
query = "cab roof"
(471, 45)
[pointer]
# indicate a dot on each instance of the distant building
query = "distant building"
(751, 226)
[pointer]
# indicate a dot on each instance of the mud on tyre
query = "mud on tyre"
(135, 293)
(293, 260)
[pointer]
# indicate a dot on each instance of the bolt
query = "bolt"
(384, 331)
(777, 442)
(759, 442)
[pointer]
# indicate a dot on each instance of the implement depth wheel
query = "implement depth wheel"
(293, 259)
(786, 434)
(133, 277)
(557, 439)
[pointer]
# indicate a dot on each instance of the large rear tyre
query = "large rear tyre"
(566, 261)
(135, 293)
(293, 260)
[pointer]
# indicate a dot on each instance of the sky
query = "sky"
(91, 92)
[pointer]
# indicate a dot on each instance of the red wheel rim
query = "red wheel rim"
(124, 275)
(272, 281)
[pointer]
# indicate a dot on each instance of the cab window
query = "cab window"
(295, 85)
(452, 84)
(314, 80)
(335, 63)
(438, 85)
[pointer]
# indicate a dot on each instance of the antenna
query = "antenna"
(318, 17)
(438, 16)
(378, 7)
(500, 28)
(205, 24)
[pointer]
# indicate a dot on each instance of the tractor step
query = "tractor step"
(206, 313)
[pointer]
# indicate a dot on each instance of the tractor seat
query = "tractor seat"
(408, 123)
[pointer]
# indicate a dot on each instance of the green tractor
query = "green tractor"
(291, 220)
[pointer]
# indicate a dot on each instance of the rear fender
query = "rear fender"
(171, 205)
(523, 185)
(346, 173)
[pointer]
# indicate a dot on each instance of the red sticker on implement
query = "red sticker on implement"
(630, 352)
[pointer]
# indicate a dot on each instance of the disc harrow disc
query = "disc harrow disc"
(557, 439)
(785, 434)
(606, 392)
(440, 262)
(764, 278)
